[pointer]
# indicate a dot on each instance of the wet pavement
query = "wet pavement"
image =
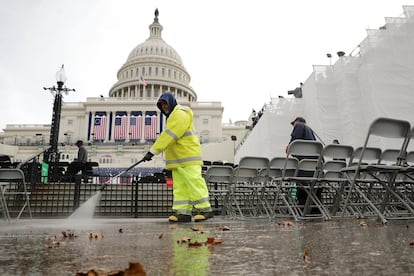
(248, 247)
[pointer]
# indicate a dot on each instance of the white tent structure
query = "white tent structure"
(341, 100)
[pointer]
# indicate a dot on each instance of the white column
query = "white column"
(113, 126)
(143, 126)
(109, 123)
(152, 91)
(127, 139)
(92, 127)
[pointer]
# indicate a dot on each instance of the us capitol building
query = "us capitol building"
(119, 129)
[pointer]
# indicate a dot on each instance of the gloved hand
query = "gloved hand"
(148, 156)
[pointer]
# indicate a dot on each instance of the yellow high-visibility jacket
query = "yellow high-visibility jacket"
(179, 140)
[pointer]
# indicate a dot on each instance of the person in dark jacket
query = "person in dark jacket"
(301, 130)
(79, 164)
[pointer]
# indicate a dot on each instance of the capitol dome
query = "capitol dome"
(156, 47)
(152, 68)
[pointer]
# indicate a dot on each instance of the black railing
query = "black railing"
(129, 200)
(140, 197)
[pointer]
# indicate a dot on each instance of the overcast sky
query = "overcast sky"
(238, 52)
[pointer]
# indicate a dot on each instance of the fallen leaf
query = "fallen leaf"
(306, 255)
(224, 228)
(96, 236)
(363, 223)
(134, 269)
(285, 223)
(185, 239)
(196, 243)
(195, 229)
(412, 244)
(210, 240)
(54, 244)
(218, 241)
(88, 273)
(160, 235)
(68, 234)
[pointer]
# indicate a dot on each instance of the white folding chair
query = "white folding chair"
(308, 153)
(280, 192)
(3, 204)
(390, 156)
(250, 179)
(365, 183)
(277, 167)
(335, 158)
(13, 189)
(405, 178)
(365, 156)
(219, 180)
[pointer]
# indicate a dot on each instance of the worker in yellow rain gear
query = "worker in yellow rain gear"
(182, 149)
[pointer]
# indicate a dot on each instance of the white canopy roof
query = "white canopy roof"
(341, 100)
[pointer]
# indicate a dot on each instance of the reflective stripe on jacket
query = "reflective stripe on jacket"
(179, 140)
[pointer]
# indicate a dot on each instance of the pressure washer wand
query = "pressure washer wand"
(124, 171)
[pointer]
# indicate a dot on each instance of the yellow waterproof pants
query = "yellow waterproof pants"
(189, 190)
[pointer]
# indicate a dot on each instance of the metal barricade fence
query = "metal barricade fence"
(135, 199)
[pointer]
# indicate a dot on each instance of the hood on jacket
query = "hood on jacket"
(169, 99)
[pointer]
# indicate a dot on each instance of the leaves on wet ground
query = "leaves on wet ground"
(55, 241)
(363, 223)
(68, 235)
(209, 241)
(134, 269)
(195, 242)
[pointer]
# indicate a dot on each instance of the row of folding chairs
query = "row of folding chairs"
(383, 189)
(259, 187)
(324, 182)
